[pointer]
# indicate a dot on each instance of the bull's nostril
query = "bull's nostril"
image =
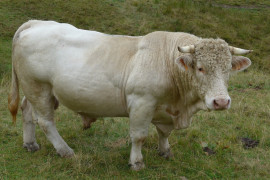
(228, 102)
(215, 103)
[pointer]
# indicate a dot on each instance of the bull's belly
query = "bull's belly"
(94, 98)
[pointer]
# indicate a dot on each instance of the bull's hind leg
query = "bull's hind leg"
(29, 127)
(43, 102)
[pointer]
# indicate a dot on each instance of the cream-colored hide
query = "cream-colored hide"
(144, 78)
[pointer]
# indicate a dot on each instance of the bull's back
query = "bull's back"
(39, 46)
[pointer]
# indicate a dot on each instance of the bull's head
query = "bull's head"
(210, 63)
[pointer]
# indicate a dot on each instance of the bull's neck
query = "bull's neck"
(183, 89)
(181, 82)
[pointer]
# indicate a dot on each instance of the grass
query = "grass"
(103, 151)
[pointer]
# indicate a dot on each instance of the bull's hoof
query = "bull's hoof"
(167, 154)
(137, 166)
(66, 152)
(31, 147)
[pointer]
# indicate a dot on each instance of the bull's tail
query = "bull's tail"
(14, 96)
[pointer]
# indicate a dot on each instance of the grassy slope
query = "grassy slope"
(103, 151)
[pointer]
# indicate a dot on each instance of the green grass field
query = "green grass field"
(103, 151)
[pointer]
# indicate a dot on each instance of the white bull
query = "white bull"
(162, 77)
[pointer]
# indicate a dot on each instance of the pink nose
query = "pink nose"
(220, 104)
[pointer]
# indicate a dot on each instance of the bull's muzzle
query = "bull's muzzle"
(221, 103)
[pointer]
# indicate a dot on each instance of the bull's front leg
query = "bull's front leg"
(141, 114)
(164, 146)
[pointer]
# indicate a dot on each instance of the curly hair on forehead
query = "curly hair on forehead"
(212, 45)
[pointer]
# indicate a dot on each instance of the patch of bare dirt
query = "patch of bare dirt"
(208, 151)
(249, 143)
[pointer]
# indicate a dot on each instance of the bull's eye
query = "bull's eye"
(201, 69)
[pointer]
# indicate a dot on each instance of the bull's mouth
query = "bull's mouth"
(218, 103)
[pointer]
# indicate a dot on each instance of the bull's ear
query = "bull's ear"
(184, 62)
(239, 63)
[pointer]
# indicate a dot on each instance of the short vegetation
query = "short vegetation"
(103, 151)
